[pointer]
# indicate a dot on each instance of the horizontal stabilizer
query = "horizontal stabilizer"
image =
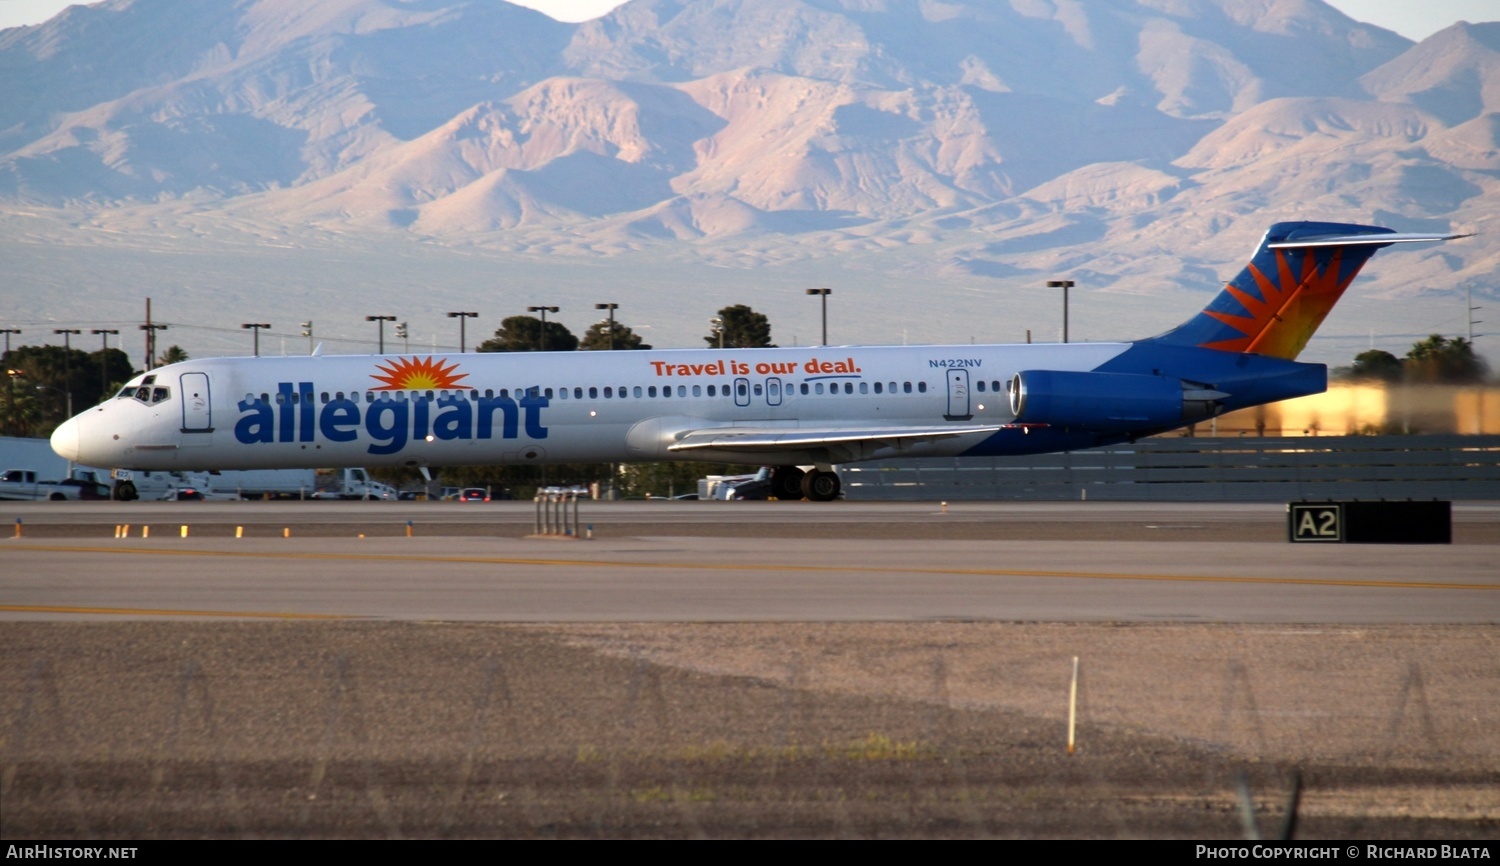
(1355, 240)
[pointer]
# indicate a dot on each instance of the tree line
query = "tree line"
(1434, 360)
(735, 327)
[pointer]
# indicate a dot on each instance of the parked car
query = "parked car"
(473, 494)
(755, 488)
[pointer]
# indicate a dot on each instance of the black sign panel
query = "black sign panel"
(1370, 522)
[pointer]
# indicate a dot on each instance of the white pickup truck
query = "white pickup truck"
(25, 485)
(351, 483)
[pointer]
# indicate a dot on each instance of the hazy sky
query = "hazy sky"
(1414, 20)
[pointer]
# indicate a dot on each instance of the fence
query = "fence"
(1203, 469)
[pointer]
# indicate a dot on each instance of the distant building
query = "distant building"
(1367, 408)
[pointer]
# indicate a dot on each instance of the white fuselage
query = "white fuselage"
(516, 408)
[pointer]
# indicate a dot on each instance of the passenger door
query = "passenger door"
(197, 407)
(958, 396)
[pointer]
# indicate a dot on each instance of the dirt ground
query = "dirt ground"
(155, 729)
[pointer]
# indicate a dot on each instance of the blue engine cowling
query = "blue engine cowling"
(1108, 402)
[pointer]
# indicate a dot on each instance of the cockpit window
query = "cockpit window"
(146, 392)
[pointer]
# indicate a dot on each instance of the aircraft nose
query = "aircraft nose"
(65, 439)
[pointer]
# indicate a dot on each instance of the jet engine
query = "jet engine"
(1109, 402)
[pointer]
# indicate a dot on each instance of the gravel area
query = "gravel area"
(869, 730)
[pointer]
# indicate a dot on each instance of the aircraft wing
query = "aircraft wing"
(732, 439)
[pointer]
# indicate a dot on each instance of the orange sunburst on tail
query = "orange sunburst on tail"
(1290, 307)
(413, 374)
(1297, 274)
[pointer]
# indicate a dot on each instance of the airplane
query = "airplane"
(784, 408)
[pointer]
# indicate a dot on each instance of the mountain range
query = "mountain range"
(1136, 147)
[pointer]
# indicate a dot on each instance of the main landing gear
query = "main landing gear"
(786, 483)
(791, 484)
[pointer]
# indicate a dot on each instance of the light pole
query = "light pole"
(544, 311)
(256, 326)
(462, 318)
(1469, 303)
(103, 359)
(307, 331)
(611, 308)
(69, 395)
(405, 334)
(11, 406)
(67, 362)
(10, 427)
(151, 330)
(716, 324)
(1064, 285)
(824, 293)
(380, 326)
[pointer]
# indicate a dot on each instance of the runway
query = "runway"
(739, 670)
(748, 562)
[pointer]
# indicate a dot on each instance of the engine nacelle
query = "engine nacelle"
(1108, 402)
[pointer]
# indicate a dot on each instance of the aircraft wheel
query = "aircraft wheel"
(126, 492)
(821, 486)
(786, 483)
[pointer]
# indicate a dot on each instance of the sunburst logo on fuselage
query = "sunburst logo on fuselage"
(417, 374)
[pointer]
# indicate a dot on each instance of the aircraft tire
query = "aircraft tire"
(786, 483)
(820, 486)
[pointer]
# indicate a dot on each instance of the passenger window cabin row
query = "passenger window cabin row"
(593, 392)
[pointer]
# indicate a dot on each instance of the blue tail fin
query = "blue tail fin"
(1299, 271)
